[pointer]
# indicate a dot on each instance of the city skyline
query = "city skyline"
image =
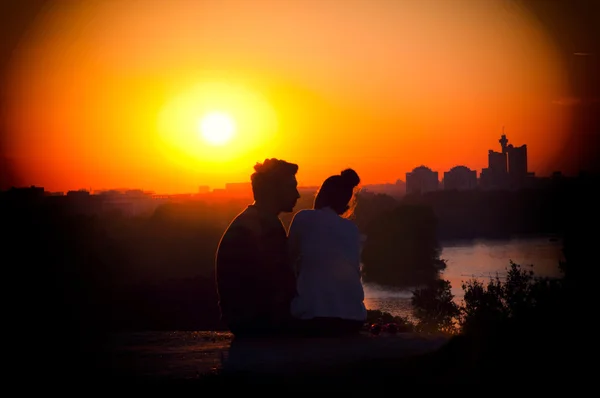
(487, 176)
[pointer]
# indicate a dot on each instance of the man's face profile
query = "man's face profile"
(288, 194)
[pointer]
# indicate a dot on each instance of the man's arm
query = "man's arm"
(294, 244)
(237, 266)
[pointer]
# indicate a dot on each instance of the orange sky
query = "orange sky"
(109, 94)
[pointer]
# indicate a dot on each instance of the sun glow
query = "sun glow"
(217, 128)
(212, 124)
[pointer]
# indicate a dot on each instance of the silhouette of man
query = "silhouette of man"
(255, 284)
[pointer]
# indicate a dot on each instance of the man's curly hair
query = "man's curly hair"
(268, 174)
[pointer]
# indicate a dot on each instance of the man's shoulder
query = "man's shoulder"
(247, 220)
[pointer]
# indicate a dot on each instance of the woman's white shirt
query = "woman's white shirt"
(325, 252)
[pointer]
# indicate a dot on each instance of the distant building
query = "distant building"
(517, 161)
(137, 193)
(78, 194)
(82, 202)
(517, 167)
(421, 180)
(25, 194)
(497, 162)
(203, 189)
(110, 193)
(395, 190)
(128, 202)
(460, 178)
(506, 169)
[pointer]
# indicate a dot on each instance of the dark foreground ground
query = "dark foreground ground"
(212, 356)
(213, 359)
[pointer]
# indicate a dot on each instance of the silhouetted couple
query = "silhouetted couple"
(305, 283)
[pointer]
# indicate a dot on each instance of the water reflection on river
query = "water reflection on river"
(481, 259)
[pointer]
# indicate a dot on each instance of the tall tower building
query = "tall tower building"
(503, 141)
(507, 168)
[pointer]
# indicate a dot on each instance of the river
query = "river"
(481, 259)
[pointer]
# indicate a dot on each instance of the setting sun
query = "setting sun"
(217, 128)
(215, 125)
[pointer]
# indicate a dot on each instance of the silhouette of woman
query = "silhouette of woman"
(325, 251)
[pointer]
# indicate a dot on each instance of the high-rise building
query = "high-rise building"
(460, 178)
(421, 180)
(517, 161)
(506, 169)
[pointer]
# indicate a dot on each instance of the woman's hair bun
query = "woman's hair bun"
(350, 177)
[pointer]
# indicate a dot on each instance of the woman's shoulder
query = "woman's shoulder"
(302, 216)
(350, 225)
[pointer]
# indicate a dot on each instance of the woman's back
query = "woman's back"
(325, 251)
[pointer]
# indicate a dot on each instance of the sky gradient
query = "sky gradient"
(109, 94)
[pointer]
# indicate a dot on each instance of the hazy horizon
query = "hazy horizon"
(195, 190)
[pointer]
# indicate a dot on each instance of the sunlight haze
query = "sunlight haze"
(112, 94)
